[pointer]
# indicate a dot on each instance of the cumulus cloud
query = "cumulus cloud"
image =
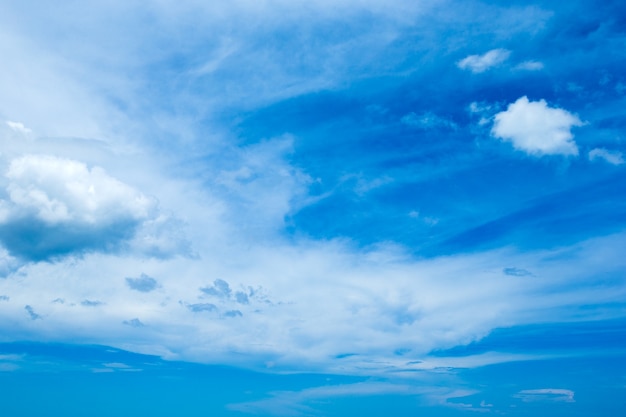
(481, 63)
(58, 206)
(143, 283)
(535, 128)
(612, 157)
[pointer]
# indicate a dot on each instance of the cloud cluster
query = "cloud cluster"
(536, 128)
(56, 206)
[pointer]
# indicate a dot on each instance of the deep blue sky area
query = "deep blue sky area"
(320, 208)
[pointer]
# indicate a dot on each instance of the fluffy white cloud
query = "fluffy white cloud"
(612, 157)
(537, 129)
(481, 63)
(55, 206)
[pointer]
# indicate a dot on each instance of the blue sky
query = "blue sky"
(312, 208)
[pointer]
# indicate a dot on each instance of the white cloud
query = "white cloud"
(530, 66)
(307, 302)
(537, 129)
(481, 63)
(546, 394)
(18, 127)
(612, 157)
(66, 207)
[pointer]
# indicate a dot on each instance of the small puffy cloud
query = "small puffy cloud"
(219, 289)
(428, 120)
(535, 128)
(546, 394)
(31, 313)
(144, 283)
(233, 313)
(133, 323)
(612, 157)
(4, 298)
(481, 63)
(58, 206)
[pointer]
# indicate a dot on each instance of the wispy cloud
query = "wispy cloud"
(484, 62)
(546, 394)
(612, 157)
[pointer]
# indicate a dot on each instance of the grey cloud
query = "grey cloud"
(144, 283)
(241, 297)
(35, 240)
(91, 303)
(197, 308)
(516, 272)
(58, 301)
(220, 289)
(134, 323)
(31, 313)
